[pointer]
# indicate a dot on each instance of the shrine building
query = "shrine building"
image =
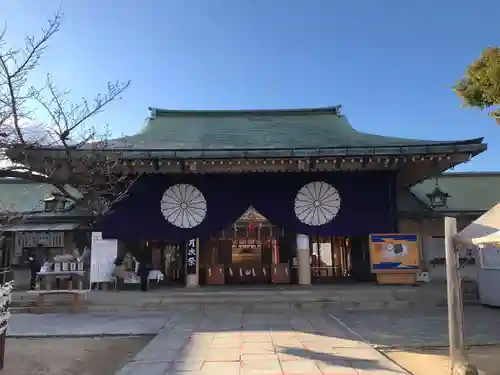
(266, 196)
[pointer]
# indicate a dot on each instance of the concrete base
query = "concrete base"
(192, 281)
(396, 278)
(465, 369)
(303, 260)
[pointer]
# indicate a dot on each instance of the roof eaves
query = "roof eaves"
(447, 212)
(470, 174)
(15, 180)
(59, 219)
(467, 146)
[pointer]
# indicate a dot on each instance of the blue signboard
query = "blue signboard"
(399, 252)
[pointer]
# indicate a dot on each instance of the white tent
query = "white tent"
(483, 231)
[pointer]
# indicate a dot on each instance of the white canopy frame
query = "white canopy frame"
(482, 232)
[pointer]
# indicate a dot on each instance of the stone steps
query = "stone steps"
(332, 297)
(60, 306)
(259, 308)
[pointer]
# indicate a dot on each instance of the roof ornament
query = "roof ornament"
(437, 197)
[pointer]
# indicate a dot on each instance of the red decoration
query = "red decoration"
(276, 252)
(250, 223)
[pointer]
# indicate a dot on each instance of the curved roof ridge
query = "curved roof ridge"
(246, 112)
(298, 129)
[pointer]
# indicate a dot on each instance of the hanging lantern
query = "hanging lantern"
(437, 197)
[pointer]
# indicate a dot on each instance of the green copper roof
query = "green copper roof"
(256, 129)
(25, 196)
(469, 191)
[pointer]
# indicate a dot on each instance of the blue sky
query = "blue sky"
(390, 63)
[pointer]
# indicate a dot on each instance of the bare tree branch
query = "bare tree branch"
(79, 157)
(15, 66)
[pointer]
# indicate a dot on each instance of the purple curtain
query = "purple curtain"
(139, 215)
(366, 204)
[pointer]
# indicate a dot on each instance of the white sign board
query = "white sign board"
(490, 258)
(102, 257)
(131, 278)
(32, 239)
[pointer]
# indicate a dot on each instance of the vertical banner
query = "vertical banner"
(102, 258)
(394, 252)
(192, 257)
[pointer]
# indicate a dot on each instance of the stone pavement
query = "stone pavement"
(416, 328)
(87, 324)
(283, 342)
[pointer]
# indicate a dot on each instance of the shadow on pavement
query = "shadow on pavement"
(341, 361)
(283, 342)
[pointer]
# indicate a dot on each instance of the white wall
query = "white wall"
(431, 234)
(435, 249)
(438, 272)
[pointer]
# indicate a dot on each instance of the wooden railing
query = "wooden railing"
(328, 274)
(218, 274)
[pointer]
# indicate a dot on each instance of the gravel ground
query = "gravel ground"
(70, 356)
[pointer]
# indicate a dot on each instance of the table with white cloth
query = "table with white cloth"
(130, 277)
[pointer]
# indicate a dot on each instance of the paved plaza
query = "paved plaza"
(406, 328)
(286, 341)
(262, 343)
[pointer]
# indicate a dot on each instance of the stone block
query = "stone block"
(340, 368)
(134, 368)
(257, 348)
(261, 366)
(226, 355)
(300, 368)
(188, 365)
(252, 357)
(218, 368)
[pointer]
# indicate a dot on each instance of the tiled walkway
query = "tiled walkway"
(228, 343)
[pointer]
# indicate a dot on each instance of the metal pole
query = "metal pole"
(460, 304)
(459, 365)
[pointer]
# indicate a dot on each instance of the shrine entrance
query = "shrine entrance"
(248, 253)
(330, 259)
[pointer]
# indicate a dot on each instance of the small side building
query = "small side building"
(470, 194)
(34, 213)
